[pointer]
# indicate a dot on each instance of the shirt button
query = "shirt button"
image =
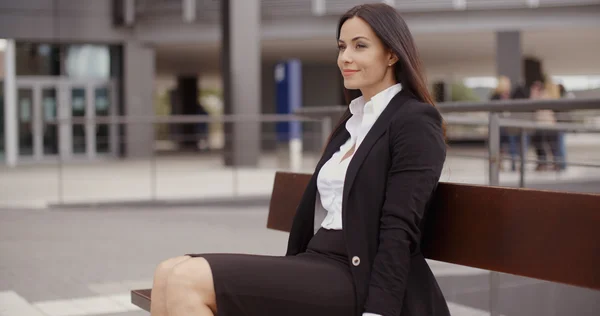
(355, 261)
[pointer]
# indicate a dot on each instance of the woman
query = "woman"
(373, 182)
(545, 138)
(508, 136)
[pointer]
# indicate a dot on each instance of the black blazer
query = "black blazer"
(387, 189)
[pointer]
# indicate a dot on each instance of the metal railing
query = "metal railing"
(525, 129)
(320, 122)
(289, 155)
(494, 122)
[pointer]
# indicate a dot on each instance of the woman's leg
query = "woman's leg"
(190, 289)
(540, 151)
(158, 306)
(561, 151)
(553, 142)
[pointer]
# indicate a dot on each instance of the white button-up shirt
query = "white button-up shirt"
(330, 181)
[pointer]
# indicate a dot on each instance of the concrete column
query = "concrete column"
(138, 78)
(10, 105)
(241, 68)
(509, 56)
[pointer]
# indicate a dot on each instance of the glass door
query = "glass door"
(78, 113)
(49, 111)
(92, 102)
(37, 111)
(36, 120)
(57, 116)
(25, 120)
(102, 107)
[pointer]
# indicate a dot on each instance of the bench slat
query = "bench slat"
(288, 189)
(546, 235)
(141, 298)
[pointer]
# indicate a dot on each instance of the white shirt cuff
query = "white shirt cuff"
(370, 314)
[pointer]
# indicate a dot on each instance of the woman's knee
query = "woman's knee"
(193, 275)
(164, 268)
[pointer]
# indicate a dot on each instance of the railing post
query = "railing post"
(494, 149)
(153, 171)
(494, 180)
(524, 147)
(60, 176)
(325, 130)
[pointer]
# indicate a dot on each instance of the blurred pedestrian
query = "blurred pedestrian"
(562, 116)
(545, 141)
(509, 137)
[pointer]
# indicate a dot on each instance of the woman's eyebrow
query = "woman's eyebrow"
(354, 39)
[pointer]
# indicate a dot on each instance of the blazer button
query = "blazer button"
(355, 261)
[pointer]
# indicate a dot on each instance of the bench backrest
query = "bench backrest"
(553, 236)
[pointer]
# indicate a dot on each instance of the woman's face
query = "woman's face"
(363, 59)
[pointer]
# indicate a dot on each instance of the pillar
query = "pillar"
(10, 105)
(241, 57)
(138, 77)
(509, 56)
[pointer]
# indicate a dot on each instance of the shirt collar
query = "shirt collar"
(378, 102)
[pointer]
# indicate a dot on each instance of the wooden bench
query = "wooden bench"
(552, 236)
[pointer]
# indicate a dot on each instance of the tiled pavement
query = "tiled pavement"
(78, 262)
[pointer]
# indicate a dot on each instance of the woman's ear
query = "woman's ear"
(392, 59)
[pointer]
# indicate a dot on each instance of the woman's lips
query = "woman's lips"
(348, 72)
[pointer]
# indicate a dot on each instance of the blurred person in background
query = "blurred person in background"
(509, 137)
(202, 132)
(521, 92)
(562, 116)
(379, 169)
(545, 141)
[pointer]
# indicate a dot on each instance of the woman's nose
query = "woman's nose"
(346, 56)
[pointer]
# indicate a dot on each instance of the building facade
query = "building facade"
(71, 66)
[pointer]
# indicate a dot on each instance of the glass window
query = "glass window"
(37, 59)
(102, 108)
(78, 104)
(72, 60)
(87, 61)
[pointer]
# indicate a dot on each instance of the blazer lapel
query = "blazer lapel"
(338, 139)
(376, 131)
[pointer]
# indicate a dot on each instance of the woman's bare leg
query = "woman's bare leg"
(158, 306)
(190, 289)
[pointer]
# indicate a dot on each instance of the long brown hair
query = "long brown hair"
(391, 29)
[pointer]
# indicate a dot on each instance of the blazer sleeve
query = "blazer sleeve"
(418, 151)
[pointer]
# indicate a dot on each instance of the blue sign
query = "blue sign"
(288, 89)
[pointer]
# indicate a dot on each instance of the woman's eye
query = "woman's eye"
(341, 47)
(360, 45)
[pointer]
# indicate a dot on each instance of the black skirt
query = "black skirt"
(316, 282)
